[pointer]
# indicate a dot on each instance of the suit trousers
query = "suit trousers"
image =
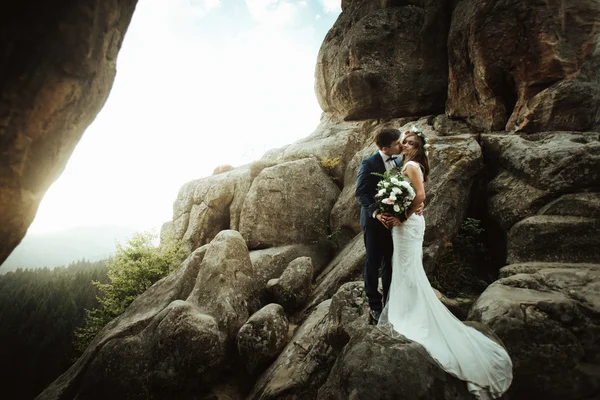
(379, 249)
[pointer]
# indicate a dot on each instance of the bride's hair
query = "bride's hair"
(418, 154)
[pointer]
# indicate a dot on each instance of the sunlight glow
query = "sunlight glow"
(199, 83)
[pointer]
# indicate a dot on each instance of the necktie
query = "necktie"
(391, 159)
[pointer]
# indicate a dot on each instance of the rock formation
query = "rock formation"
(385, 59)
(57, 67)
(524, 66)
(507, 93)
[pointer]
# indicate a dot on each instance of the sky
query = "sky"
(200, 83)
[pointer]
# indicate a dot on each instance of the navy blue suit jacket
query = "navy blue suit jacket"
(366, 186)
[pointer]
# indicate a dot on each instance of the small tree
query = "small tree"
(131, 271)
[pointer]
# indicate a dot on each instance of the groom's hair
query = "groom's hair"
(386, 136)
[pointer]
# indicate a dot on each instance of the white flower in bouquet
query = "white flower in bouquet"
(395, 193)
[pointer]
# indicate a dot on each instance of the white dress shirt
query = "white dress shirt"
(388, 164)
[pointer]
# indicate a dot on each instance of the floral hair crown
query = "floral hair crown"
(416, 131)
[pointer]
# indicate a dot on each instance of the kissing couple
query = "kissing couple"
(408, 306)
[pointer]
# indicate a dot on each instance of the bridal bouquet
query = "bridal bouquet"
(394, 193)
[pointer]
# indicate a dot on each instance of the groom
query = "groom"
(376, 232)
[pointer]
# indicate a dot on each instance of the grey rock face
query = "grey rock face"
(174, 339)
(575, 204)
(569, 105)
(207, 206)
(270, 263)
(225, 285)
(261, 339)
(302, 366)
(554, 238)
(334, 142)
(535, 169)
(288, 203)
(547, 316)
(347, 266)
(384, 60)
(511, 69)
(335, 354)
(292, 289)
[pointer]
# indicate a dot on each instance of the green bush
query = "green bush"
(131, 271)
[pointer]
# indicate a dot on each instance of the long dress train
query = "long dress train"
(414, 312)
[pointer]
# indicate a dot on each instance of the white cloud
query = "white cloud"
(278, 13)
(196, 9)
(332, 6)
(173, 13)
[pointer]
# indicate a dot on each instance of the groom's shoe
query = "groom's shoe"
(374, 317)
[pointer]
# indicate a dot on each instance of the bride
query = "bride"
(413, 309)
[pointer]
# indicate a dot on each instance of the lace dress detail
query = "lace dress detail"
(414, 312)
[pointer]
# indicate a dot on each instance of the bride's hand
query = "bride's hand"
(393, 221)
(420, 209)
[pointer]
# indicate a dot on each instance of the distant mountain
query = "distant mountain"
(61, 248)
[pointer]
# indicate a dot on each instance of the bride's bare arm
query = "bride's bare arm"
(416, 178)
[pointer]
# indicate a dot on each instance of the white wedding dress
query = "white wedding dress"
(413, 311)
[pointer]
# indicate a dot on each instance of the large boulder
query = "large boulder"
(288, 203)
(176, 338)
(225, 286)
(532, 170)
(302, 365)
(569, 105)
(58, 65)
(554, 161)
(455, 162)
(336, 354)
(261, 339)
(293, 287)
(180, 344)
(554, 238)
(347, 266)
(547, 316)
(270, 263)
(524, 65)
(206, 206)
(376, 366)
(575, 204)
(334, 143)
(510, 199)
(384, 59)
